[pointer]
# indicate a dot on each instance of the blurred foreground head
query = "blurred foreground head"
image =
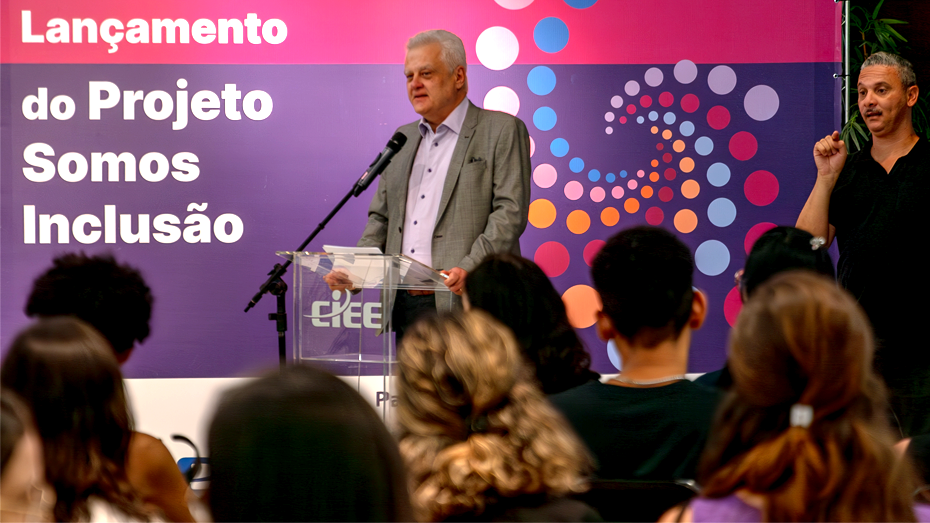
(302, 445)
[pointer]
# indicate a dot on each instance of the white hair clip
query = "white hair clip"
(801, 415)
(817, 242)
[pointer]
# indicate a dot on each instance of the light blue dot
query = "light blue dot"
(559, 147)
(669, 118)
(580, 4)
(639, 119)
(718, 174)
(623, 174)
(653, 116)
(550, 35)
(610, 178)
(613, 354)
(541, 80)
(704, 146)
(686, 128)
(544, 118)
(576, 165)
(712, 257)
(721, 212)
(594, 175)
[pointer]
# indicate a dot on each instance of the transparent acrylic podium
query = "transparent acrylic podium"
(350, 333)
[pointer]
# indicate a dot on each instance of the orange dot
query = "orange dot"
(654, 163)
(646, 192)
(686, 165)
(690, 189)
(542, 213)
(631, 205)
(678, 146)
(666, 134)
(578, 222)
(610, 216)
(581, 303)
(653, 177)
(654, 129)
(685, 221)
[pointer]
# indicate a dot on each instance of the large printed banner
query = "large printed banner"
(194, 139)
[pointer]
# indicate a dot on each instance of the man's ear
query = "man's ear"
(459, 74)
(698, 310)
(605, 327)
(913, 93)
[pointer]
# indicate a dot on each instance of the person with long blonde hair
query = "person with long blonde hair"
(803, 435)
(480, 440)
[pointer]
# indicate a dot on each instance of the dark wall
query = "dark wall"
(917, 31)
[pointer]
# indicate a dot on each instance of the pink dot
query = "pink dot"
(666, 99)
(666, 194)
(591, 249)
(552, 258)
(660, 146)
(640, 173)
(617, 192)
(718, 117)
(667, 157)
(631, 184)
(545, 176)
(743, 145)
(754, 232)
(622, 119)
(532, 146)
(690, 103)
(645, 101)
(761, 188)
(670, 174)
(732, 304)
(654, 216)
(631, 109)
(598, 194)
(573, 190)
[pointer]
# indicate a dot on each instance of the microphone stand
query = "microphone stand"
(275, 285)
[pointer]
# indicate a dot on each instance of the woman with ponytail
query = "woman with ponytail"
(803, 434)
(480, 439)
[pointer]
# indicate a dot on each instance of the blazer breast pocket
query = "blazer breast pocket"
(474, 167)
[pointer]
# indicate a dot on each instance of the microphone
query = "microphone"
(384, 158)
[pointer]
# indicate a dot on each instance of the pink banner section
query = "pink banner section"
(374, 31)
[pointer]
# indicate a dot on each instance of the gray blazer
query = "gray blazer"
(485, 200)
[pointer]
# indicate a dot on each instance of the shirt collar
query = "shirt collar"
(453, 122)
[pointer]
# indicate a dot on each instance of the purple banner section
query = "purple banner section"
(265, 152)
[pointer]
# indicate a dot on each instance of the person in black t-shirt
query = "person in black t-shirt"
(873, 203)
(650, 422)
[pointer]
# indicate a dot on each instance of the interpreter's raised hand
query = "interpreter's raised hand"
(338, 280)
(830, 156)
(456, 279)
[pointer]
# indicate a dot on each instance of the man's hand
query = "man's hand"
(830, 156)
(456, 280)
(338, 280)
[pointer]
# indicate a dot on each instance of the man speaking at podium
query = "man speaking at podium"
(459, 189)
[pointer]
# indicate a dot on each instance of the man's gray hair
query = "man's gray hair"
(903, 67)
(453, 50)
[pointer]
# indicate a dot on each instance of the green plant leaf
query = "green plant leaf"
(877, 7)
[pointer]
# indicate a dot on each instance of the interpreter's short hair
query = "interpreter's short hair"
(782, 249)
(111, 297)
(300, 444)
(644, 277)
(475, 427)
(453, 50)
(904, 68)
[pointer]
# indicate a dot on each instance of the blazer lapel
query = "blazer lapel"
(458, 158)
(405, 162)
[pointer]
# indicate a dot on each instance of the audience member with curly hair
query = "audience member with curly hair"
(480, 439)
(803, 433)
(519, 294)
(66, 373)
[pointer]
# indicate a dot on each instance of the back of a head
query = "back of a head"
(784, 249)
(519, 294)
(112, 298)
(66, 372)
(22, 470)
(644, 277)
(801, 342)
(474, 425)
(301, 445)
